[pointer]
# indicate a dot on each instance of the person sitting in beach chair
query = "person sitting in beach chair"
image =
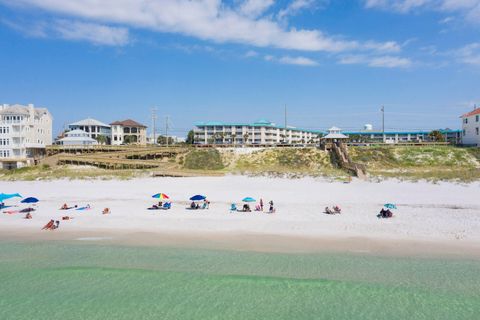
(204, 206)
(271, 209)
(106, 211)
(233, 208)
(337, 209)
(246, 208)
(258, 208)
(329, 211)
(385, 213)
(57, 224)
(49, 225)
(167, 205)
(193, 205)
(64, 207)
(28, 216)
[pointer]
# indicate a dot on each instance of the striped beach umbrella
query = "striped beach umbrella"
(162, 196)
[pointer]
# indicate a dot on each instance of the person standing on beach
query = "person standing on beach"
(261, 204)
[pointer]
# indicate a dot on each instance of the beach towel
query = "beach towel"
(83, 208)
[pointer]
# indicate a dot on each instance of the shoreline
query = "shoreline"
(254, 242)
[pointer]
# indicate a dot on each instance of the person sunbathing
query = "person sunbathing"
(49, 225)
(329, 211)
(67, 218)
(28, 216)
(106, 211)
(192, 205)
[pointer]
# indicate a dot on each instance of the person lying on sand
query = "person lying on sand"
(49, 225)
(106, 211)
(28, 216)
(66, 218)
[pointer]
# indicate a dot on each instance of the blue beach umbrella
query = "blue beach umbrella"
(390, 206)
(30, 200)
(198, 198)
(249, 199)
(5, 196)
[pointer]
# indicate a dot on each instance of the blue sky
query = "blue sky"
(331, 62)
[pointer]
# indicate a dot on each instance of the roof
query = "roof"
(259, 123)
(89, 122)
(76, 132)
(128, 123)
(471, 113)
(335, 136)
(444, 131)
(18, 109)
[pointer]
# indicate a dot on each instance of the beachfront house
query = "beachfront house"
(25, 131)
(94, 129)
(128, 132)
(77, 137)
(471, 128)
(262, 132)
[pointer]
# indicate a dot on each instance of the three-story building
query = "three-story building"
(25, 131)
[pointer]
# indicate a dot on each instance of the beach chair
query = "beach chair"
(233, 208)
(167, 205)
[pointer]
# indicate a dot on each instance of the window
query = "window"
(466, 120)
(477, 118)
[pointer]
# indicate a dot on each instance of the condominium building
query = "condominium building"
(262, 132)
(93, 128)
(471, 128)
(25, 131)
(128, 132)
(452, 136)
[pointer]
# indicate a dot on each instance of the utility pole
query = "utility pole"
(383, 123)
(154, 120)
(285, 139)
(166, 129)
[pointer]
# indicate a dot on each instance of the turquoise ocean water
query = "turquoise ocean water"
(78, 281)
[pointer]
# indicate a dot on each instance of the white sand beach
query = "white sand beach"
(443, 216)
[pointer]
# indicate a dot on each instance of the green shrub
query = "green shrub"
(209, 159)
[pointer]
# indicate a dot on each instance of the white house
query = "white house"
(77, 138)
(93, 128)
(25, 131)
(128, 132)
(471, 128)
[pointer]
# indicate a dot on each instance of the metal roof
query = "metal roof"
(89, 122)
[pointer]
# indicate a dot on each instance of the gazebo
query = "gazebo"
(335, 134)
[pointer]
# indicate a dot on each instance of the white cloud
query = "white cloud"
(251, 54)
(298, 61)
(298, 5)
(470, 9)
(377, 61)
(469, 54)
(212, 20)
(91, 32)
(72, 30)
(255, 8)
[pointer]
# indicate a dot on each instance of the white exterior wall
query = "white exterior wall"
(23, 131)
(256, 135)
(471, 130)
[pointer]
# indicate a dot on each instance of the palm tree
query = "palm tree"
(245, 138)
(234, 137)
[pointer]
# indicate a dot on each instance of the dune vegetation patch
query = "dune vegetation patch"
(204, 159)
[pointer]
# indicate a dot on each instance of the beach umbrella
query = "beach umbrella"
(162, 196)
(390, 206)
(249, 199)
(30, 200)
(198, 198)
(5, 196)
